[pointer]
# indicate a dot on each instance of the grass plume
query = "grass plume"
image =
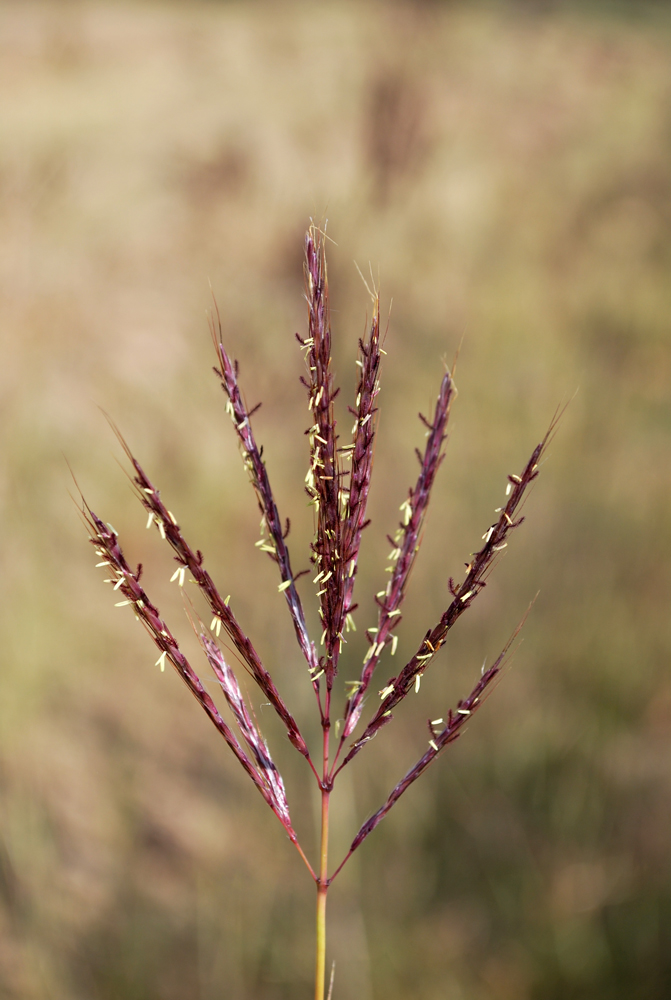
(337, 483)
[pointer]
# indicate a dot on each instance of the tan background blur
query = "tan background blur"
(506, 171)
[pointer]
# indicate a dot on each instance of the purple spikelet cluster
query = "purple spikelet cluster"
(337, 483)
(324, 483)
(127, 584)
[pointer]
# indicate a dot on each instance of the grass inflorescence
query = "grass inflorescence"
(337, 484)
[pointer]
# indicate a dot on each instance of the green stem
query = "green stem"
(322, 881)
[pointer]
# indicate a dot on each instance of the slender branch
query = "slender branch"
(405, 546)
(193, 561)
(354, 498)
(305, 860)
(274, 544)
(476, 572)
(246, 725)
(442, 732)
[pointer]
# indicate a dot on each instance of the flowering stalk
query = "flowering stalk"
(127, 584)
(337, 483)
(324, 475)
(405, 545)
(272, 534)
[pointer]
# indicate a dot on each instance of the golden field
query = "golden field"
(505, 171)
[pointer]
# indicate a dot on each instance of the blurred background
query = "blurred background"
(505, 169)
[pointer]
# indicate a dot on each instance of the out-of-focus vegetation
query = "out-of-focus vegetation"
(506, 168)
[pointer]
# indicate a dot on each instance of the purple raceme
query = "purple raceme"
(337, 483)
(273, 538)
(405, 544)
(128, 586)
(269, 774)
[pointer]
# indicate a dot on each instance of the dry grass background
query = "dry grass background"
(507, 169)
